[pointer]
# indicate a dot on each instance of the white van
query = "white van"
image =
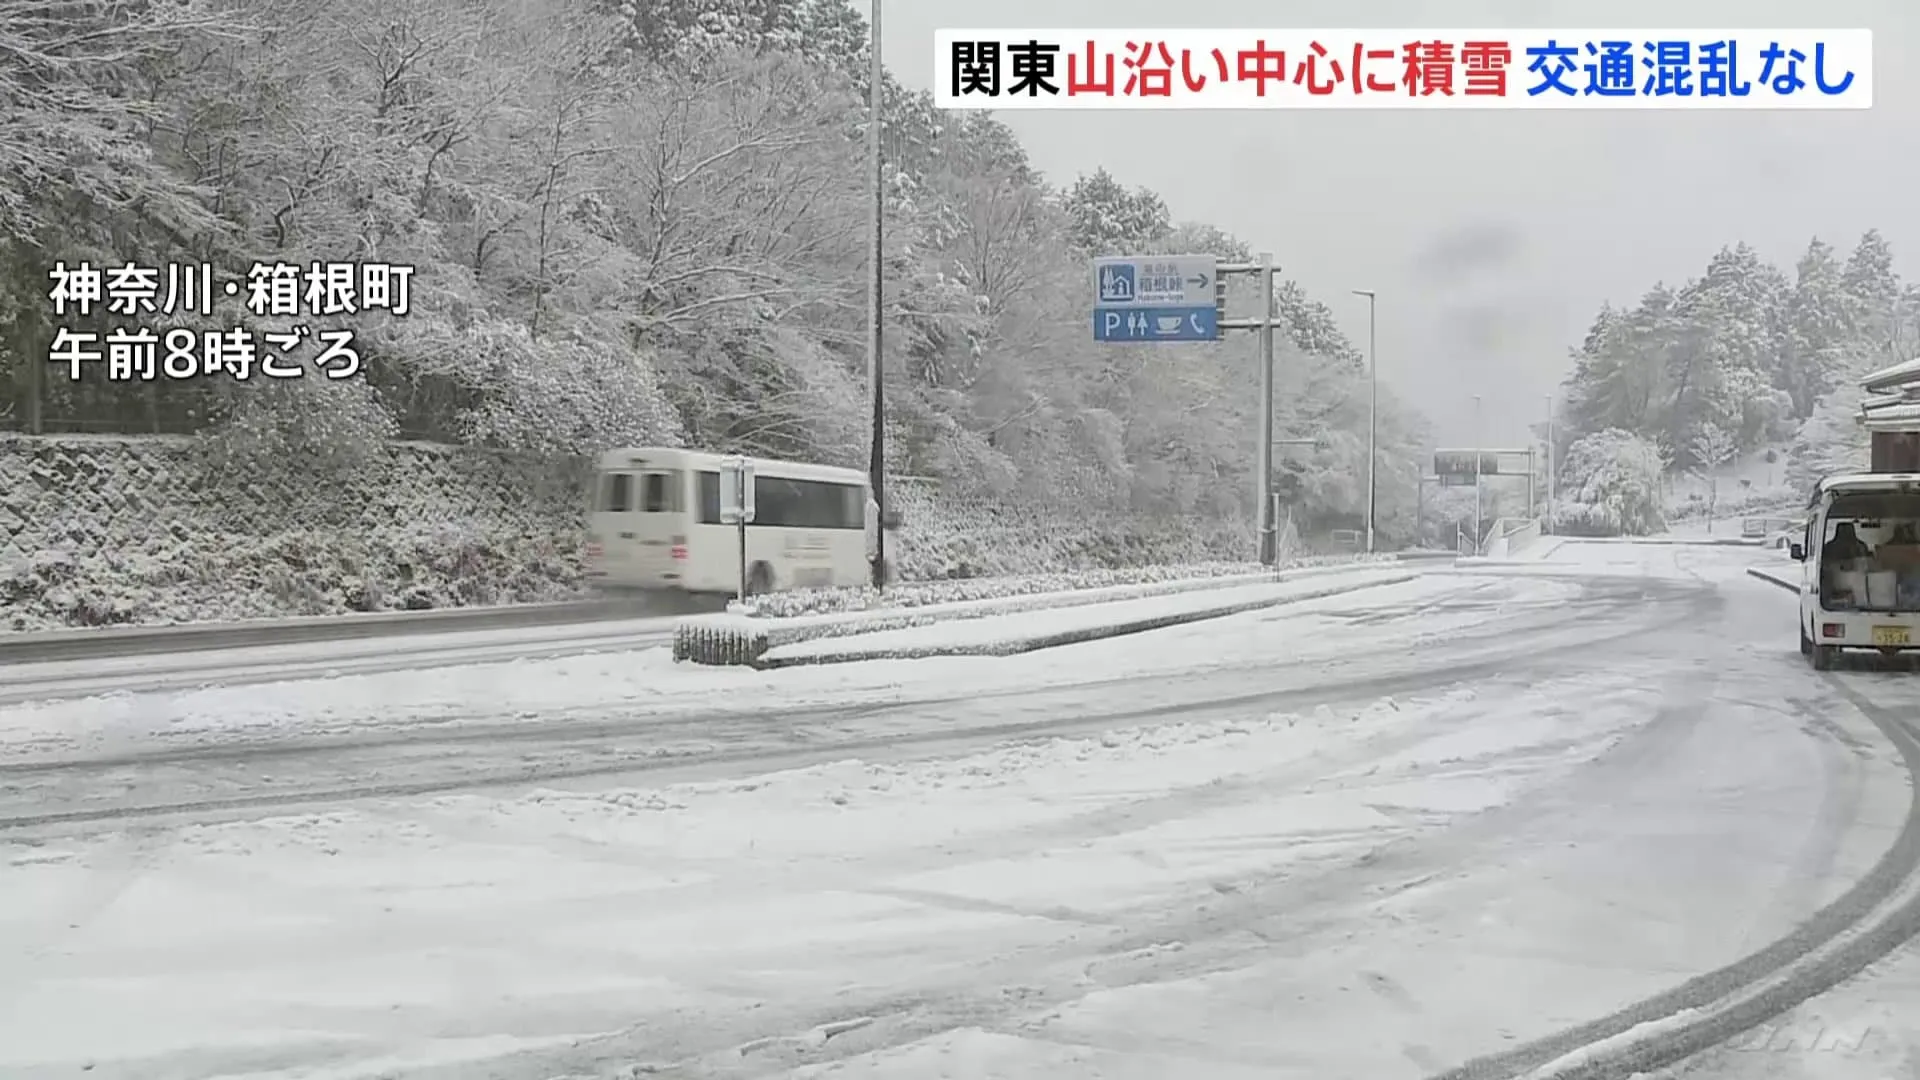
(1860, 566)
(656, 525)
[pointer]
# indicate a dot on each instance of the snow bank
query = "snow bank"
(801, 602)
(737, 638)
(1006, 636)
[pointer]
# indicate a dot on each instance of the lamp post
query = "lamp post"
(1547, 516)
(1476, 474)
(1373, 414)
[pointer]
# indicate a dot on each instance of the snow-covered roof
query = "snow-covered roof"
(1899, 417)
(1865, 481)
(1892, 378)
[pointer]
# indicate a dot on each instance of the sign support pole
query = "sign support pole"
(1419, 505)
(737, 509)
(1530, 473)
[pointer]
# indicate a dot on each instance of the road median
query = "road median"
(1019, 625)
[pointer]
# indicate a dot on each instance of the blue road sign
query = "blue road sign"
(1155, 298)
(1116, 284)
(1156, 323)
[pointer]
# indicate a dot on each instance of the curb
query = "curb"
(1018, 646)
(1756, 572)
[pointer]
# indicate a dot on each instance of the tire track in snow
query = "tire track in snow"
(601, 722)
(234, 783)
(909, 1019)
(1237, 919)
(1877, 915)
(1255, 913)
(1435, 721)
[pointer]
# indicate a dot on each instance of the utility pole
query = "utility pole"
(876, 297)
(1373, 417)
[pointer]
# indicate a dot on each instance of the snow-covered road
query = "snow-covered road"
(1371, 835)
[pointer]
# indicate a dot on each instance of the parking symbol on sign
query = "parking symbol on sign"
(1116, 284)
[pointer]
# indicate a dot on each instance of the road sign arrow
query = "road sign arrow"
(1198, 281)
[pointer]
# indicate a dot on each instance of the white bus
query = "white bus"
(656, 525)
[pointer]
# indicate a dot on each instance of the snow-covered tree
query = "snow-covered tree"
(643, 222)
(1610, 485)
(1743, 352)
(1712, 449)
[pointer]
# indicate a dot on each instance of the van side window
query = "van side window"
(616, 493)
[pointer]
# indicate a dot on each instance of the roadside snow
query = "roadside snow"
(915, 594)
(996, 637)
(635, 684)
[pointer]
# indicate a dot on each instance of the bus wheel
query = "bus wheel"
(760, 579)
(1806, 643)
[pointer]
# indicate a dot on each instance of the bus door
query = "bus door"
(641, 525)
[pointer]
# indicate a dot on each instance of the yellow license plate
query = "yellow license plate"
(1892, 635)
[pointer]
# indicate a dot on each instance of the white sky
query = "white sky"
(1491, 237)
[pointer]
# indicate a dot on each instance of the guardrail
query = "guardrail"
(118, 641)
(1508, 536)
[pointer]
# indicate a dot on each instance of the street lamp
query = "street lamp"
(1547, 517)
(1476, 474)
(1373, 412)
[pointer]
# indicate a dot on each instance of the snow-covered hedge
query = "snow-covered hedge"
(800, 602)
(950, 539)
(1775, 501)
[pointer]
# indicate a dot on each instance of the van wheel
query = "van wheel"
(1806, 643)
(1823, 656)
(759, 579)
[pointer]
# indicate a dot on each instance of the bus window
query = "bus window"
(616, 493)
(779, 502)
(710, 498)
(660, 493)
